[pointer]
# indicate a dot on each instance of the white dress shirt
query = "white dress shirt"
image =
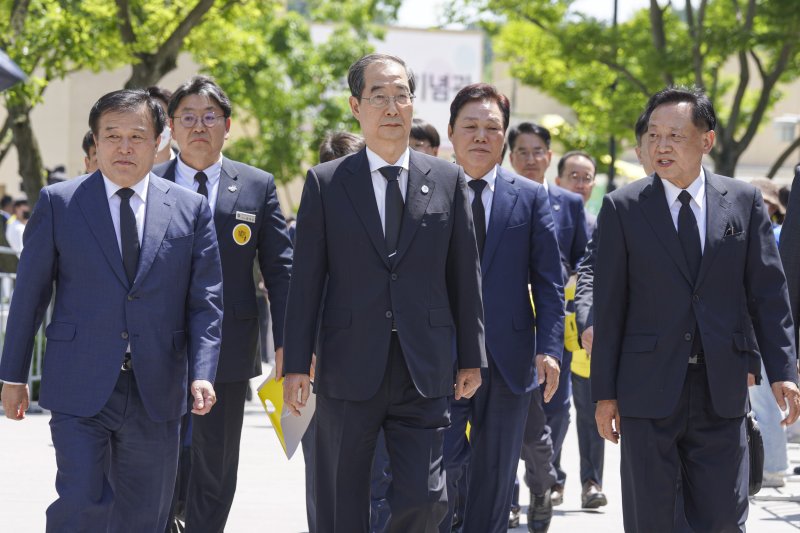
(138, 202)
(488, 192)
(379, 183)
(184, 176)
(698, 204)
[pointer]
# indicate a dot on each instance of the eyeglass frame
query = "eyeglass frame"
(389, 100)
(584, 180)
(202, 119)
(535, 153)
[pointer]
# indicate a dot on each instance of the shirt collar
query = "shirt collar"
(376, 162)
(697, 189)
(140, 188)
(490, 178)
(212, 172)
(546, 185)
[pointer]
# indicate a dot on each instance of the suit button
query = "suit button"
(389, 314)
(695, 298)
(124, 335)
(687, 337)
(394, 276)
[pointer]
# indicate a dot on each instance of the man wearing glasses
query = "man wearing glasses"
(389, 232)
(250, 228)
(576, 173)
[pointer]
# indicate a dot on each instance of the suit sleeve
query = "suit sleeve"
(204, 299)
(581, 239)
(610, 293)
(464, 282)
(308, 278)
(275, 260)
(790, 250)
(545, 278)
(584, 310)
(34, 287)
(767, 297)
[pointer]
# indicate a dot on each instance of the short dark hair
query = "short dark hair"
(160, 93)
(127, 100)
(338, 144)
(424, 130)
(87, 142)
(640, 128)
(355, 76)
(527, 128)
(204, 85)
(703, 115)
(574, 153)
(20, 203)
(5, 201)
(480, 91)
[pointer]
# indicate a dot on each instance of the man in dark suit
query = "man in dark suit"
(136, 320)
(790, 248)
(391, 231)
(519, 257)
(530, 155)
(679, 255)
(250, 228)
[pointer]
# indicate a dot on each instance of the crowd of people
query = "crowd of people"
(444, 314)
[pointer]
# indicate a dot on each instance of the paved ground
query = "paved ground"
(270, 496)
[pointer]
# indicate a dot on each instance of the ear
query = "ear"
(708, 141)
(227, 128)
(355, 107)
(450, 132)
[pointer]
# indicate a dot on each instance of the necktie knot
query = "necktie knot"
(201, 178)
(125, 193)
(685, 197)
(391, 173)
(477, 186)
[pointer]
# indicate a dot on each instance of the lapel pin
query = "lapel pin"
(232, 188)
(556, 207)
(425, 189)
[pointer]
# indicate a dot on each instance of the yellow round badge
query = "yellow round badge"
(242, 234)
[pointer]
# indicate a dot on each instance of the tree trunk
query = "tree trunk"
(29, 157)
(726, 159)
(151, 69)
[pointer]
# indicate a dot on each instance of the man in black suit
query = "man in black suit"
(680, 253)
(391, 231)
(250, 228)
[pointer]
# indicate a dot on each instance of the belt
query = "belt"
(127, 363)
(697, 359)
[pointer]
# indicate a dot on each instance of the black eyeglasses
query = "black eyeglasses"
(209, 120)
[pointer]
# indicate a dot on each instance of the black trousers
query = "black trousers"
(347, 432)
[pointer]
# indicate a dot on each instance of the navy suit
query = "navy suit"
(246, 197)
(521, 250)
(369, 376)
(675, 415)
(111, 463)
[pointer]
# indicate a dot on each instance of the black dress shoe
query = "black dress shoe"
(592, 496)
(513, 517)
(540, 512)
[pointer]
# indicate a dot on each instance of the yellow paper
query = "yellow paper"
(288, 428)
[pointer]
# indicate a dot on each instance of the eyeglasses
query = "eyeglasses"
(382, 100)
(535, 153)
(586, 179)
(209, 120)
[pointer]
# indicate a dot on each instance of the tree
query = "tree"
(606, 75)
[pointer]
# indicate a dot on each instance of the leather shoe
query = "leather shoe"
(513, 517)
(557, 494)
(592, 496)
(540, 512)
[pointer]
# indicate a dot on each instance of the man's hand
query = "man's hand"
(15, 400)
(608, 421)
(313, 366)
(467, 382)
(548, 371)
(296, 388)
(586, 339)
(751, 379)
(204, 396)
(278, 363)
(786, 394)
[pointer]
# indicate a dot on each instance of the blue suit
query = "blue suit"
(521, 250)
(169, 318)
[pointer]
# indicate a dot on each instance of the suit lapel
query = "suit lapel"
(416, 202)
(156, 220)
(169, 173)
(503, 201)
(358, 187)
(655, 210)
(717, 214)
(227, 194)
(94, 206)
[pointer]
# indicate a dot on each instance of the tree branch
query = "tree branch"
(659, 37)
(627, 73)
(783, 157)
(125, 26)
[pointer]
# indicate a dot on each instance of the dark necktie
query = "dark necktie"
(129, 236)
(201, 179)
(478, 213)
(689, 234)
(394, 207)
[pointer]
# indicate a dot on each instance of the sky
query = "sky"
(427, 13)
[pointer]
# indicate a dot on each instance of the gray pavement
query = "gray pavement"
(270, 495)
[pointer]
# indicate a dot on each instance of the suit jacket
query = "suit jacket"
(643, 337)
(431, 290)
(170, 315)
(790, 248)
(521, 250)
(570, 219)
(247, 190)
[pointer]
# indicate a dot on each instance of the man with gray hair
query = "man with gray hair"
(391, 231)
